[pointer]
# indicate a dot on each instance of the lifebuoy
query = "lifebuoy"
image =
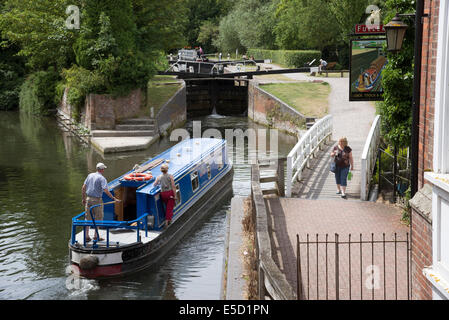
(137, 176)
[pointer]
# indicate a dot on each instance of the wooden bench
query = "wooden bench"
(331, 65)
(333, 71)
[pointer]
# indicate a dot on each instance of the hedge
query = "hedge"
(37, 93)
(289, 58)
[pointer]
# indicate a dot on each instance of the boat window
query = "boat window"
(178, 195)
(195, 180)
(208, 171)
(219, 160)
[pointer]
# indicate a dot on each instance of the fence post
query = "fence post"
(281, 177)
(289, 176)
(337, 271)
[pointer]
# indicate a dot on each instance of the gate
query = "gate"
(343, 268)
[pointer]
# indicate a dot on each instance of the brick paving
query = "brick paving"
(291, 217)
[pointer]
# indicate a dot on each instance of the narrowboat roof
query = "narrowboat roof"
(181, 156)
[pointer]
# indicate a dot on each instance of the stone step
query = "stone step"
(122, 133)
(134, 127)
(139, 121)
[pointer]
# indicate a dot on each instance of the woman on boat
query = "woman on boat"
(342, 154)
(168, 192)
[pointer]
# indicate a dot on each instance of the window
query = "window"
(219, 160)
(178, 195)
(195, 180)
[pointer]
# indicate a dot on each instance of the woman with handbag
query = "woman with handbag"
(342, 155)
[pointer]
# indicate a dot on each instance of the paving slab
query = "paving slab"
(122, 144)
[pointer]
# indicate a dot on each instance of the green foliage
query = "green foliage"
(249, 25)
(38, 29)
(196, 13)
(289, 58)
(208, 36)
(397, 82)
(305, 24)
(12, 71)
(37, 92)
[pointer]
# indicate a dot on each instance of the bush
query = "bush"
(12, 75)
(37, 92)
(289, 58)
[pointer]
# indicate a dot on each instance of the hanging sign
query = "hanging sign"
(365, 72)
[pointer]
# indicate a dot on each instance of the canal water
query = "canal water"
(42, 170)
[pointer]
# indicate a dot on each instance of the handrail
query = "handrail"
(368, 159)
(106, 224)
(301, 153)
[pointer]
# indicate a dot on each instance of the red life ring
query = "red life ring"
(137, 176)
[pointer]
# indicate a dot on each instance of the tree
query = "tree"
(397, 83)
(38, 29)
(249, 24)
(305, 24)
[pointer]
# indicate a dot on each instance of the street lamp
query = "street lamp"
(395, 31)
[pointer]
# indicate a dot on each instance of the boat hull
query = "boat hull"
(114, 262)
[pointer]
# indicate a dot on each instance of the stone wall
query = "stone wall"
(421, 242)
(173, 113)
(266, 109)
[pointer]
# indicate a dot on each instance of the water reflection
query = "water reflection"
(41, 173)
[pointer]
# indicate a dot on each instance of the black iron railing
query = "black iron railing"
(376, 268)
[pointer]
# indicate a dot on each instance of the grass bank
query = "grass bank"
(310, 99)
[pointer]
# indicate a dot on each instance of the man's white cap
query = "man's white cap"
(101, 165)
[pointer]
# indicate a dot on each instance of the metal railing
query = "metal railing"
(369, 157)
(308, 144)
(138, 224)
(353, 269)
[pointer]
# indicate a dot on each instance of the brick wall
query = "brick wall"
(427, 94)
(266, 109)
(421, 242)
(421, 216)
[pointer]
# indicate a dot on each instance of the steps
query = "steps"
(138, 127)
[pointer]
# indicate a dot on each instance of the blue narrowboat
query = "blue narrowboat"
(133, 230)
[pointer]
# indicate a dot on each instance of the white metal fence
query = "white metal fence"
(368, 159)
(306, 147)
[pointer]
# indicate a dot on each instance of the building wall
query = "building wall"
(421, 217)
(421, 242)
(427, 95)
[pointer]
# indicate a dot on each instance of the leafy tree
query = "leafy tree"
(38, 29)
(397, 82)
(250, 24)
(200, 11)
(305, 24)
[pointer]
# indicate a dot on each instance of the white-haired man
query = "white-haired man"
(92, 190)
